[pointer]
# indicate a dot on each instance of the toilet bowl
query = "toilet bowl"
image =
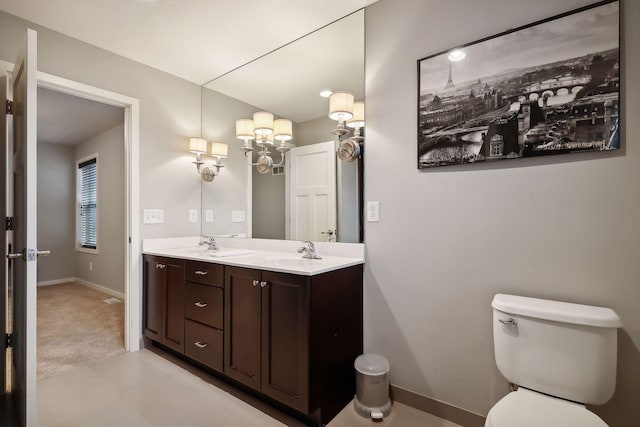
(561, 355)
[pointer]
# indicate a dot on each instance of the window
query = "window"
(87, 225)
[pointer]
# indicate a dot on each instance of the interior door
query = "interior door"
(5, 125)
(23, 268)
(312, 192)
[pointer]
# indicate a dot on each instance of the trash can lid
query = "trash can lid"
(371, 364)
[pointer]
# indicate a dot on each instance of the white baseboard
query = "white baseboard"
(57, 281)
(86, 283)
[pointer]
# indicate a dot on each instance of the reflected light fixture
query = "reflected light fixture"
(267, 132)
(219, 151)
(456, 55)
(326, 93)
(344, 110)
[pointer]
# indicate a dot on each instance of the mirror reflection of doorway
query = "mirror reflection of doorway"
(81, 219)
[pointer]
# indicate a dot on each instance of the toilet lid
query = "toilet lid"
(526, 408)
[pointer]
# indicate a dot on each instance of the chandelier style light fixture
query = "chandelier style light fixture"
(349, 115)
(267, 133)
(219, 151)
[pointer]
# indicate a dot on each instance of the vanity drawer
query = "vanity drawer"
(205, 272)
(203, 344)
(204, 304)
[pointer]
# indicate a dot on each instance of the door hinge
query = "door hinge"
(9, 223)
(8, 106)
(8, 340)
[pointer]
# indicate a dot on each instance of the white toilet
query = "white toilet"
(561, 355)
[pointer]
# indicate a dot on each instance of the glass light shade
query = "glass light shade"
(340, 106)
(282, 129)
(263, 123)
(198, 145)
(244, 129)
(357, 121)
(219, 150)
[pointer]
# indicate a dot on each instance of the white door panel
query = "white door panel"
(24, 235)
(311, 180)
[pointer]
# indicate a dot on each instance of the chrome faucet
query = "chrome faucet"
(309, 250)
(209, 240)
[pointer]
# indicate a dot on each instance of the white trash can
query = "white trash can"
(372, 386)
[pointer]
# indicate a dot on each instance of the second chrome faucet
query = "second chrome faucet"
(309, 250)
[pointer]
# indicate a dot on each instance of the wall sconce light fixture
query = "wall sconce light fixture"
(267, 133)
(219, 151)
(344, 110)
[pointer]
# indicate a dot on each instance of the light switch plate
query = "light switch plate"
(373, 211)
(193, 215)
(238, 216)
(208, 215)
(153, 216)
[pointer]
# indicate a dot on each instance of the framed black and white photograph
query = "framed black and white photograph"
(551, 87)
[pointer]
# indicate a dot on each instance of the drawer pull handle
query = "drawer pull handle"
(256, 282)
(200, 304)
(264, 284)
(202, 273)
(160, 266)
(200, 344)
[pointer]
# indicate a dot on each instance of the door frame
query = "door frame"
(131, 106)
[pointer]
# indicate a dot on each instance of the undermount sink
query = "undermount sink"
(219, 253)
(292, 261)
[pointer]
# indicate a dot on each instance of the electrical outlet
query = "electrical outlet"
(193, 215)
(208, 216)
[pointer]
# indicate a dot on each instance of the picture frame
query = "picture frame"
(546, 88)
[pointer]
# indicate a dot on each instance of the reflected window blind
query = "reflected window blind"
(88, 203)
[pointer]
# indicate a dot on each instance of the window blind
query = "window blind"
(88, 203)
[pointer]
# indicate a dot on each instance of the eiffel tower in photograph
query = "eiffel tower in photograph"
(450, 81)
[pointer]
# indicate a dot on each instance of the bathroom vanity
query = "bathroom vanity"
(265, 319)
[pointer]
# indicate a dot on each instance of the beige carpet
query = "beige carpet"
(76, 328)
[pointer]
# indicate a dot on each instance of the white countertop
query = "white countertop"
(271, 255)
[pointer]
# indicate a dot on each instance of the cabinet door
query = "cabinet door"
(242, 325)
(152, 298)
(285, 339)
(173, 305)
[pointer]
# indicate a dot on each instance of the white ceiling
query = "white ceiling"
(288, 82)
(193, 39)
(69, 120)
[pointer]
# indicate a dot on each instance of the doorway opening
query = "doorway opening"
(81, 221)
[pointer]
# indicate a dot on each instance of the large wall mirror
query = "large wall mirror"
(287, 82)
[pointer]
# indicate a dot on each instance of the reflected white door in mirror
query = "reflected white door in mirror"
(266, 131)
(311, 193)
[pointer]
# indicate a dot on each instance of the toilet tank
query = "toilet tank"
(558, 348)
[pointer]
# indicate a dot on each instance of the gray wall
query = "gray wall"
(169, 115)
(108, 264)
(56, 214)
(565, 228)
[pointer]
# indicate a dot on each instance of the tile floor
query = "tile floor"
(144, 389)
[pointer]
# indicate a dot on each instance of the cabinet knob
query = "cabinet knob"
(263, 284)
(160, 266)
(256, 282)
(200, 304)
(200, 344)
(202, 273)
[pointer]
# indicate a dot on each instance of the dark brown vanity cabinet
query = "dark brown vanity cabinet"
(163, 300)
(204, 313)
(294, 338)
